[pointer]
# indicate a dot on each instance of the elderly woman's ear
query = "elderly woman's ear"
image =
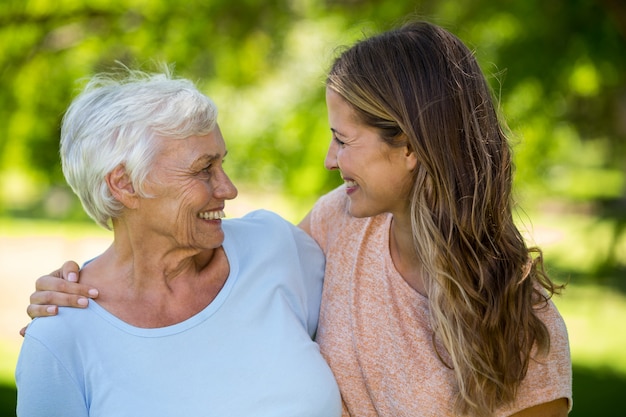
(121, 187)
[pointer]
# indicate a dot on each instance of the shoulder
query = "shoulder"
(60, 334)
(550, 316)
(329, 216)
(266, 227)
(58, 327)
(68, 324)
(331, 224)
(256, 221)
(559, 352)
(549, 375)
(332, 204)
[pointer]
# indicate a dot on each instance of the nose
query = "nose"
(330, 162)
(224, 188)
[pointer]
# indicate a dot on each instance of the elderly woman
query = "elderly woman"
(195, 315)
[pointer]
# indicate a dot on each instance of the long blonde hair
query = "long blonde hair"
(420, 86)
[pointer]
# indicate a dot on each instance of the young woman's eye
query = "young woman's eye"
(339, 142)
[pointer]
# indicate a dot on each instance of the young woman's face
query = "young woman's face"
(190, 188)
(377, 176)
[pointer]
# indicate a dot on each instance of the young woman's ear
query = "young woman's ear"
(121, 186)
(410, 158)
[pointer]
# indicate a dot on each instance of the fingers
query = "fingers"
(52, 292)
(58, 292)
(38, 310)
(70, 271)
(69, 286)
(49, 289)
(45, 303)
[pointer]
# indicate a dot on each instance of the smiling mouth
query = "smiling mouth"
(212, 215)
(350, 184)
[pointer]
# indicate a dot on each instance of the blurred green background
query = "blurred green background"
(558, 69)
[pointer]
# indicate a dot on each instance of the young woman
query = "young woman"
(432, 303)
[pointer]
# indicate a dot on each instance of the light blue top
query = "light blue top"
(249, 353)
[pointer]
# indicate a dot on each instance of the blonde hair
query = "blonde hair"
(420, 86)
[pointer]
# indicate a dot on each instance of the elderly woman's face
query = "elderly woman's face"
(190, 187)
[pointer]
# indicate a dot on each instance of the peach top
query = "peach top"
(375, 333)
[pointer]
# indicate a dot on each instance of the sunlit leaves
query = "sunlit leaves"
(584, 79)
(558, 69)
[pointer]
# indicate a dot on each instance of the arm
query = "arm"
(60, 288)
(556, 408)
(44, 386)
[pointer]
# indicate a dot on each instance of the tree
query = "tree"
(558, 70)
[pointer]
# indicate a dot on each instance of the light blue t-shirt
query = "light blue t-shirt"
(249, 353)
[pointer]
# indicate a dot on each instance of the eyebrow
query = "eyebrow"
(336, 132)
(206, 158)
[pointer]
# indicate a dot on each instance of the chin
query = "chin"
(359, 213)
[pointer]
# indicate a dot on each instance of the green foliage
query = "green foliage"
(558, 69)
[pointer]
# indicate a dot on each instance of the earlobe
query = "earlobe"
(121, 186)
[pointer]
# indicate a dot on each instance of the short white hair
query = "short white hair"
(118, 119)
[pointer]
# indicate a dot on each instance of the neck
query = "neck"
(404, 255)
(152, 260)
(147, 283)
(147, 297)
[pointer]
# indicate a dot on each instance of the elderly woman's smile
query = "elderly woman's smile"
(212, 215)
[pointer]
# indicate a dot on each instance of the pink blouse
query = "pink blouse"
(374, 329)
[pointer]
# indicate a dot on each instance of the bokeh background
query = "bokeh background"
(557, 68)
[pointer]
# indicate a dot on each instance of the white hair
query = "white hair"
(119, 120)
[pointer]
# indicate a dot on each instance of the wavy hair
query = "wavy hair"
(420, 86)
(118, 119)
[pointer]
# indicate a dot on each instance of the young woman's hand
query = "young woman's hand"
(59, 289)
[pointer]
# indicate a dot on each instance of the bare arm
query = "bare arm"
(556, 408)
(59, 288)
